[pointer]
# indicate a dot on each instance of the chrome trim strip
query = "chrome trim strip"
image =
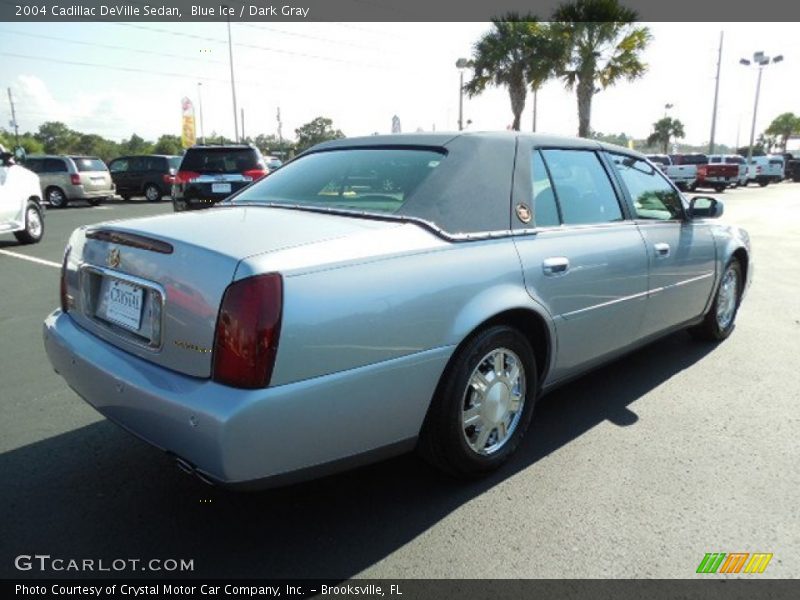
(651, 292)
(87, 308)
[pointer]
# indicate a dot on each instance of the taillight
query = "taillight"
(248, 328)
(65, 299)
(75, 179)
(255, 174)
(168, 178)
(186, 176)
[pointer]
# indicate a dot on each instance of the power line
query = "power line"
(305, 36)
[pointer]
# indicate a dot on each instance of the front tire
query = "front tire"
(483, 404)
(34, 225)
(719, 321)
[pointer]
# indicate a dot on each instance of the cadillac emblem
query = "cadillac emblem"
(113, 259)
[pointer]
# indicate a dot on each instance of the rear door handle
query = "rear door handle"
(662, 250)
(558, 265)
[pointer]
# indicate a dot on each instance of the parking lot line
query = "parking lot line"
(33, 259)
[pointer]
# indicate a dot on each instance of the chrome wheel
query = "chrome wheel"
(34, 223)
(727, 296)
(56, 198)
(493, 401)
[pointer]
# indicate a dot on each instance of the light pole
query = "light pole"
(666, 108)
(761, 60)
(200, 103)
(233, 83)
(461, 64)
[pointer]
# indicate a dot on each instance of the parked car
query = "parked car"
(715, 176)
(209, 174)
(792, 170)
(732, 159)
(20, 201)
(385, 293)
(684, 176)
(150, 175)
(68, 178)
(766, 169)
(273, 163)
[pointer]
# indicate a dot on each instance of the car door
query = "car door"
(582, 257)
(681, 251)
(9, 202)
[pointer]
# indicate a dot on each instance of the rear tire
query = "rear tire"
(719, 188)
(34, 225)
(763, 183)
(483, 404)
(95, 201)
(56, 197)
(720, 319)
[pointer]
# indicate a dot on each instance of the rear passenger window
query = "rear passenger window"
(54, 165)
(545, 211)
(653, 197)
(582, 187)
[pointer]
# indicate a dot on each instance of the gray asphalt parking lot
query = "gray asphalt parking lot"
(636, 470)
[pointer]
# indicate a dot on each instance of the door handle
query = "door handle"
(558, 265)
(662, 250)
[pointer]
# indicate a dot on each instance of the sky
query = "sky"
(116, 79)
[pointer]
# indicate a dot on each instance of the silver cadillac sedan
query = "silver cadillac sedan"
(382, 294)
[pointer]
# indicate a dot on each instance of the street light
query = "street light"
(200, 98)
(761, 60)
(461, 64)
(666, 108)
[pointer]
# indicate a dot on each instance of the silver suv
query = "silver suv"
(67, 178)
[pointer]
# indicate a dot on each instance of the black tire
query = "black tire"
(152, 193)
(95, 201)
(179, 205)
(711, 329)
(56, 197)
(32, 234)
(125, 197)
(720, 188)
(763, 183)
(693, 187)
(443, 439)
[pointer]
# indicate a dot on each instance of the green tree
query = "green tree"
(56, 138)
(518, 51)
(135, 145)
(94, 145)
(168, 144)
(783, 127)
(315, 132)
(663, 131)
(602, 44)
(619, 139)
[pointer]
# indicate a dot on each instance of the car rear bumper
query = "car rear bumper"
(77, 192)
(244, 437)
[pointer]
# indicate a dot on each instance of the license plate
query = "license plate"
(221, 188)
(122, 303)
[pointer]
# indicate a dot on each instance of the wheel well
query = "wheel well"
(533, 327)
(741, 255)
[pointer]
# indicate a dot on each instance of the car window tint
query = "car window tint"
(582, 187)
(375, 180)
(119, 166)
(136, 163)
(54, 165)
(545, 210)
(653, 197)
(33, 165)
(221, 160)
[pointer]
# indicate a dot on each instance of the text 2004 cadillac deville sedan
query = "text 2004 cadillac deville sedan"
(380, 294)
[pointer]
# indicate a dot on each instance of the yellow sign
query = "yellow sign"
(188, 135)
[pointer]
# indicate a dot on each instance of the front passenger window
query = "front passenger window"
(653, 197)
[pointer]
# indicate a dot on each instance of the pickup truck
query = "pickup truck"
(731, 159)
(766, 169)
(683, 176)
(715, 176)
(792, 166)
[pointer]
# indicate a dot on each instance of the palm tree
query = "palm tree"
(602, 45)
(506, 56)
(783, 127)
(663, 131)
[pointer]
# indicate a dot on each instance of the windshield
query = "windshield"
(372, 180)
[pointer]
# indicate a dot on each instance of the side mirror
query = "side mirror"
(705, 207)
(6, 159)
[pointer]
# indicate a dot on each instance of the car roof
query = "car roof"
(443, 139)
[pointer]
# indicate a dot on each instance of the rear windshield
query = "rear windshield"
(372, 180)
(661, 160)
(220, 160)
(734, 160)
(86, 163)
(776, 162)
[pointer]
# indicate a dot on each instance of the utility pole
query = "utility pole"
(280, 129)
(14, 118)
(535, 94)
(243, 135)
(716, 97)
(233, 84)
